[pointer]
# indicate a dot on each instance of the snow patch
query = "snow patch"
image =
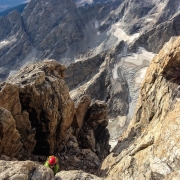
(8, 41)
(96, 24)
(118, 32)
(149, 19)
(27, 1)
(133, 37)
(4, 42)
(139, 57)
(141, 75)
(82, 2)
(116, 126)
(133, 69)
(12, 73)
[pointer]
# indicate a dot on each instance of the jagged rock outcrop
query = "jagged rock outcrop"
(150, 147)
(86, 149)
(38, 103)
(154, 39)
(95, 75)
(93, 134)
(10, 138)
(24, 170)
(38, 111)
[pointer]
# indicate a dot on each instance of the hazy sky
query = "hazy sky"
(6, 4)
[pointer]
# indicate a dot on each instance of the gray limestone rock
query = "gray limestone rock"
(53, 25)
(154, 39)
(14, 43)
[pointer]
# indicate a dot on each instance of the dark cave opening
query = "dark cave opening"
(40, 123)
(42, 146)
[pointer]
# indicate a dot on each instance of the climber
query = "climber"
(52, 162)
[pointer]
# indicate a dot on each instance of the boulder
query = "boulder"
(24, 170)
(74, 175)
(39, 102)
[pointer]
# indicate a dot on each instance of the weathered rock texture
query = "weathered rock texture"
(93, 134)
(74, 175)
(52, 25)
(24, 170)
(14, 42)
(94, 77)
(10, 138)
(39, 119)
(86, 149)
(154, 39)
(156, 21)
(39, 102)
(150, 147)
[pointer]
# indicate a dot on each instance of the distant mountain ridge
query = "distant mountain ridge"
(19, 5)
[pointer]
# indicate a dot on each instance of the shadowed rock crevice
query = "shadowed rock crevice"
(94, 134)
(39, 125)
(42, 131)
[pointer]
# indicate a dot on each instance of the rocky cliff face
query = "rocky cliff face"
(150, 147)
(88, 34)
(146, 24)
(103, 63)
(50, 30)
(14, 43)
(155, 22)
(154, 39)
